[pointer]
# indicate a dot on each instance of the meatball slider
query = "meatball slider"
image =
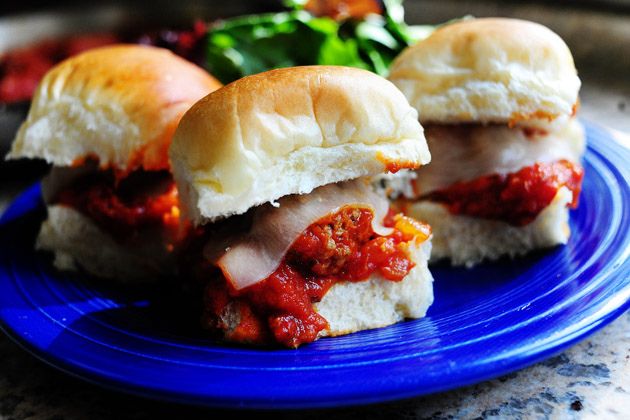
(498, 99)
(104, 119)
(274, 167)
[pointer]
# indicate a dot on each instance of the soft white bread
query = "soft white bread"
(77, 242)
(118, 104)
(288, 131)
(469, 240)
(375, 303)
(488, 70)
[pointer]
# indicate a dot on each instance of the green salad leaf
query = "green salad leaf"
(251, 44)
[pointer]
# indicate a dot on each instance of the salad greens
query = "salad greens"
(251, 44)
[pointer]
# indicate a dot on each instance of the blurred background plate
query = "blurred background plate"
(485, 322)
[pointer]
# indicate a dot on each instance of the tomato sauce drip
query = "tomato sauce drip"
(516, 198)
(393, 166)
(124, 207)
(533, 132)
(339, 247)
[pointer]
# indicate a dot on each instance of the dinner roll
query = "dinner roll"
(288, 131)
(118, 104)
(489, 70)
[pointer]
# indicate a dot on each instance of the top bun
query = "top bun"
(118, 104)
(288, 131)
(488, 70)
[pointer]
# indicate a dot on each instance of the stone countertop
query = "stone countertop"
(590, 380)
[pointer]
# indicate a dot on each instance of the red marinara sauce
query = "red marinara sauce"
(339, 247)
(516, 198)
(124, 207)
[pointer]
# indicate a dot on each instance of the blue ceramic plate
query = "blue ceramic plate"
(485, 322)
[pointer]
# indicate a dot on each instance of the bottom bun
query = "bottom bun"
(377, 302)
(77, 242)
(468, 240)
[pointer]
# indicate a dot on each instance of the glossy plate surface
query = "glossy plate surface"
(485, 322)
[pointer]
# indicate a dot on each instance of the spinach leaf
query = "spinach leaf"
(247, 45)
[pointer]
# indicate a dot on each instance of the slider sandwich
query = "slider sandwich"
(497, 98)
(273, 170)
(104, 119)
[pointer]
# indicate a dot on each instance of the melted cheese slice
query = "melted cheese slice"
(467, 152)
(251, 258)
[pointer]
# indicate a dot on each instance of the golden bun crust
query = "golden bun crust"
(288, 131)
(488, 70)
(118, 104)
